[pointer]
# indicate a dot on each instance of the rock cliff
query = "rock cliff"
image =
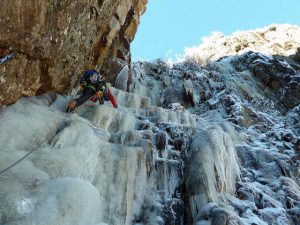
(55, 41)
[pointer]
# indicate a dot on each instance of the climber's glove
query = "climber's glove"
(99, 94)
(72, 106)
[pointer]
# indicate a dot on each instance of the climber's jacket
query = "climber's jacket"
(93, 87)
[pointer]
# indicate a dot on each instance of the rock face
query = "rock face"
(55, 40)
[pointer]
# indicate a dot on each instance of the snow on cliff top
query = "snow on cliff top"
(276, 39)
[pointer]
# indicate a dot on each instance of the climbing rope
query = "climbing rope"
(15, 163)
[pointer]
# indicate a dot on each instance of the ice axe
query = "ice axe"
(112, 98)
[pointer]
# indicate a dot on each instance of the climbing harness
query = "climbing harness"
(7, 58)
(17, 162)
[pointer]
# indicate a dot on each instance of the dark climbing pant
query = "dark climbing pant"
(86, 95)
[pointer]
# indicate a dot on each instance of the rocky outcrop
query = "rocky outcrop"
(54, 41)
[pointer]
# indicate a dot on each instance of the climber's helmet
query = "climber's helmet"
(91, 76)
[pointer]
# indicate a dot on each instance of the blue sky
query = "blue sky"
(168, 26)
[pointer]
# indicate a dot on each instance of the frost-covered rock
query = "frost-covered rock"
(276, 39)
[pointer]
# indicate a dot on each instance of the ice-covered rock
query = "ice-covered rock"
(211, 168)
(74, 177)
(98, 165)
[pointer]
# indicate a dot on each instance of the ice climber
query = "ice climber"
(93, 87)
